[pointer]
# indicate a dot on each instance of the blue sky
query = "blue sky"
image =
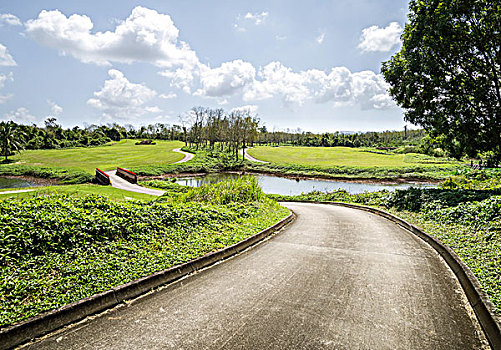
(312, 65)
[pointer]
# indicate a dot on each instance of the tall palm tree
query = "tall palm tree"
(11, 138)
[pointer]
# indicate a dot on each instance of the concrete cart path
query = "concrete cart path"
(17, 191)
(118, 182)
(251, 158)
(187, 156)
(337, 278)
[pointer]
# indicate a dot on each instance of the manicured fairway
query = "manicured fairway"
(124, 153)
(339, 156)
(78, 191)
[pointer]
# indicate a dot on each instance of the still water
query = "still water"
(14, 183)
(284, 186)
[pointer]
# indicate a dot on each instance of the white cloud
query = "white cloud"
(320, 38)
(181, 78)
(54, 108)
(121, 99)
(3, 79)
(145, 36)
(256, 19)
(278, 80)
(340, 87)
(168, 96)
(375, 39)
(153, 109)
(251, 109)
(5, 58)
(226, 80)
(21, 115)
(10, 19)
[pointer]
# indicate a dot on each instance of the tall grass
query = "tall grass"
(242, 190)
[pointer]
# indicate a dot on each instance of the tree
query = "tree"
(11, 138)
(447, 74)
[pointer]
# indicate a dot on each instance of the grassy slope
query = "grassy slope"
(77, 191)
(340, 156)
(58, 249)
(124, 154)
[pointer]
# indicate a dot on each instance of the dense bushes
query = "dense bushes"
(58, 249)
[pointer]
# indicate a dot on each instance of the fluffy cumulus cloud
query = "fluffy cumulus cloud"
(21, 116)
(375, 39)
(145, 36)
(121, 99)
(151, 37)
(3, 79)
(55, 109)
(10, 19)
(340, 87)
(5, 58)
(251, 109)
(227, 80)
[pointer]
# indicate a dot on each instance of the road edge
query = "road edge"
(483, 307)
(50, 321)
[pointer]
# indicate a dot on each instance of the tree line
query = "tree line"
(200, 128)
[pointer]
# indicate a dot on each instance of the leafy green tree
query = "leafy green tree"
(447, 75)
(11, 138)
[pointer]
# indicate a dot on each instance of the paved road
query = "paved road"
(336, 278)
(187, 156)
(249, 157)
(118, 182)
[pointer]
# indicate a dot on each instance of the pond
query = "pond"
(285, 186)
(14, 183)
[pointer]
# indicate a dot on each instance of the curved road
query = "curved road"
(251, 158)
(336, 278)
(187, 156)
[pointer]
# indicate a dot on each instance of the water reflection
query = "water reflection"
(14, 183)
(285, 186)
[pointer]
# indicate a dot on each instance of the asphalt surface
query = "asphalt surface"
(336, 278)
(251, 158)
(187, 156)
(118, 182)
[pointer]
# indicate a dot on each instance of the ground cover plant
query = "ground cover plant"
(56, 249)
(124, 153)
(468, 221)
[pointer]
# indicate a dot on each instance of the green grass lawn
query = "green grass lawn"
(77, 191)
(124, 153)
(341, 156)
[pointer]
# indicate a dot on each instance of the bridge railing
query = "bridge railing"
(102, 178)
(127, 175)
